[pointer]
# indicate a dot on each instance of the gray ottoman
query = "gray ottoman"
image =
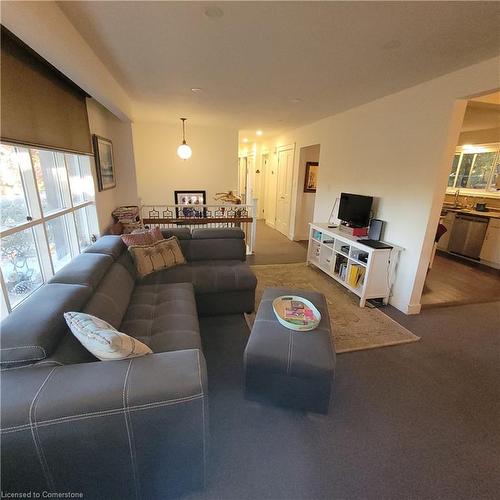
(290, 368)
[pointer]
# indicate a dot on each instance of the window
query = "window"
(21, 268)
(47, 216)
(475, 169)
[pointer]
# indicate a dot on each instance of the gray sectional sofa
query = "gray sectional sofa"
(119, 429)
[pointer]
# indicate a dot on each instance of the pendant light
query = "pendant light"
(184, 151)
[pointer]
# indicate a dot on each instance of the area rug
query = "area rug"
(354, 328)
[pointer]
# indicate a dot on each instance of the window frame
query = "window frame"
(37, 220)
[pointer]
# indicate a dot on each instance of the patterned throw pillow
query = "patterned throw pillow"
(143, 236)
(156, 234)
(102, 340)
(161, 255)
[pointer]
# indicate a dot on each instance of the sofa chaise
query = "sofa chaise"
(135, 428)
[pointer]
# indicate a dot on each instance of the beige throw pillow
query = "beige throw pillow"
(161, 255)
(102, 340)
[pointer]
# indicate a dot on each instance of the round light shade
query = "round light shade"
(184, 152)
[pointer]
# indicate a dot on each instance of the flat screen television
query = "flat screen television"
(355, 209)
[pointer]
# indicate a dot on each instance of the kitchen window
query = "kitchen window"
(476, 170)
(47, 216)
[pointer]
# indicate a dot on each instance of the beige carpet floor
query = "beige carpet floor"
(354, 328)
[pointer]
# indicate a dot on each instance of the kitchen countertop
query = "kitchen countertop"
(467, 211)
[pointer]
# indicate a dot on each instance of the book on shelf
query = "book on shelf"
(356, 275)
(343, 270)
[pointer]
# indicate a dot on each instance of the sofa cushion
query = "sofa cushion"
(160, 255)
(182, 233)
(127, 262)
(164, 317)
(33, 330)
(68, 352)
(112, 296)
(109, 245)
(217, 244)
(212, 276)
(102, 340)
(222, 233)
(85, 269)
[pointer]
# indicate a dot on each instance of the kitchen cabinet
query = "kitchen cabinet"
(490, 250)
(447, 222)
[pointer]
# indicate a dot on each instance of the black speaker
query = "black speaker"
(375, 231)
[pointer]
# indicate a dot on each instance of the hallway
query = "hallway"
(272, 247)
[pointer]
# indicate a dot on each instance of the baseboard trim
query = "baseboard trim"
(414, 308)
(406, 308)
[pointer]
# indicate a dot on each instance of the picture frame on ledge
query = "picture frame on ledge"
(190, 197)
(311, 177)
(104, 163)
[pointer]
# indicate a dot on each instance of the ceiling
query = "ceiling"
(278, 65)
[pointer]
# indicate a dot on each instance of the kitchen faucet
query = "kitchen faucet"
(457, 194)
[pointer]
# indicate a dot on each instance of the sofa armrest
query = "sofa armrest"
(115, 429)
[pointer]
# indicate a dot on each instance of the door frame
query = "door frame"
(242, 159)
(265, 159)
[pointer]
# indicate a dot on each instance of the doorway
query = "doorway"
(306, 190)
(465, 264)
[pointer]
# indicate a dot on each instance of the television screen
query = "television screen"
(355, 209)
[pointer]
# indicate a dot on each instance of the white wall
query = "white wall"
(213, 166)
(398, 149)
(105, 124)
(479, 136)
(304, 213)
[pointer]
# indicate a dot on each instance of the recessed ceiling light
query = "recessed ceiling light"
(245, 140)
(296, 100)
(214, 12)
(196, 90)
(259, 132)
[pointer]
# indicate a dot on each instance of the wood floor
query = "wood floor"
(453, 281)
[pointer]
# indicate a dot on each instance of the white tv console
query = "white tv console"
(338, 255)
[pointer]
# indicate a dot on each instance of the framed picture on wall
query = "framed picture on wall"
(190, 198)
(311, 177)
(103, 153)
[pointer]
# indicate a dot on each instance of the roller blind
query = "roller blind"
(39, 105)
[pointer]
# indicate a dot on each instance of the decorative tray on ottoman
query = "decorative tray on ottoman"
(296, 313)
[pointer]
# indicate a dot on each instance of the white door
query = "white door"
(250, 190)
(271, 190)
(260, 182)
(284, 191)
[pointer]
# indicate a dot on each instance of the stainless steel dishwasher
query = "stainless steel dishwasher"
(467, 235)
